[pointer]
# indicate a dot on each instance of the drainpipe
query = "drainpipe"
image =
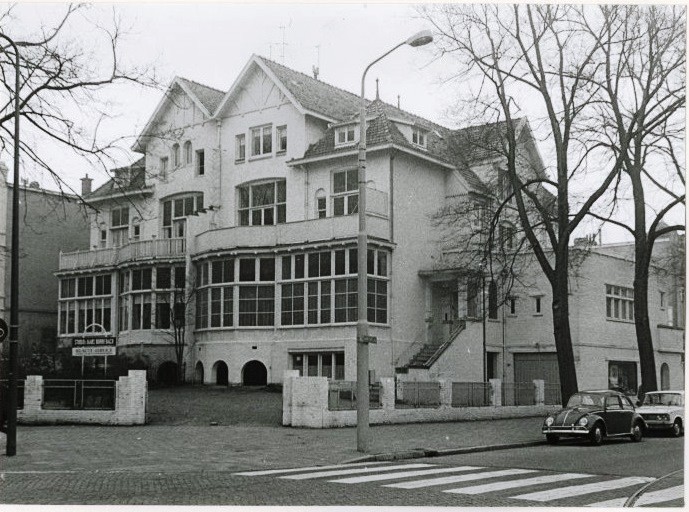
(391, 211)
(218, 124)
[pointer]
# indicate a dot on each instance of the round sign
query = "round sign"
(4, 330)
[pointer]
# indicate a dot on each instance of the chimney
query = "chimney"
(316, 71)
(377, 93)
(398, 101)
(86, 185)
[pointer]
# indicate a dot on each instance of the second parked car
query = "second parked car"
(595, 415)
(664, 410)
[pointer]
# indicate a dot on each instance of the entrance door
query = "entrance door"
(445, 305)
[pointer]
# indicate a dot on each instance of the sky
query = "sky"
(211, 43)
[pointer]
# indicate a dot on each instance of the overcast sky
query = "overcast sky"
(211, 43)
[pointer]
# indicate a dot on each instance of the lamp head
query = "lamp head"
(420, 38)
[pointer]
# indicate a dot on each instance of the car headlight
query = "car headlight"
(583, 421)
(549, 421)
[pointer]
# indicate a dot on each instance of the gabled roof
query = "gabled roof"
(204, 97)
(126, 180)
(209, 97)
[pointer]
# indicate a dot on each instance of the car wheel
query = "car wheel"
(677, 429)
(637, 432)
(552, 438)
(596, 435)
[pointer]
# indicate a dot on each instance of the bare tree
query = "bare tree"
(641, 51)
(521, 59)
(63, 81)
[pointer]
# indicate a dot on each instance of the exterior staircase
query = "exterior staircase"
(431, 352)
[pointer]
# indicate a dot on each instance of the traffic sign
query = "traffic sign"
(369, 339)
(4, 330)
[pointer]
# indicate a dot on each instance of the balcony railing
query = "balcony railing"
(314, 230)
(139, 250)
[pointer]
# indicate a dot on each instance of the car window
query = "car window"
(627, 404)
(671, 399)
(612, 403)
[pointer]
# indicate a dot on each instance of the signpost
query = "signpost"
(93, 344)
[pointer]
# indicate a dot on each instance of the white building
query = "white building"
(245, 201)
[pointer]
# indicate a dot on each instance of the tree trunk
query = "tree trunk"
(644, 339)
(563, 336)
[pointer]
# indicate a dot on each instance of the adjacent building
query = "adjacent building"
(48, 221)
(240, 218)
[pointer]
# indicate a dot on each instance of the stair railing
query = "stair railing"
(454, 332)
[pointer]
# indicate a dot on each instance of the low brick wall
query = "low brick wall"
(131, 395)
(305, 404)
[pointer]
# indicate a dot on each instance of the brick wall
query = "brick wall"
(131, 395)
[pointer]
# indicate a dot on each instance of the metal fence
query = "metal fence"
(417, 394)
(553, 394)
(5, 393)
(470, 394)
(78, 394)
(342, 395)
(518, 393)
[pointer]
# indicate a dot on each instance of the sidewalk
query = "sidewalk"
(221, 448)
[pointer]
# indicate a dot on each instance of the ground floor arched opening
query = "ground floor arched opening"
(167, 373)
(198, 373)
(254, 373)
(220, 373)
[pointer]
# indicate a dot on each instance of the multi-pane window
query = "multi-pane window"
(319, 364)
(187, 152)
(200, 162)
(240, 147)
(119, 226)
(215, 296)
(175, 213)
(619, 303)
(314, 288)
(418, 137)
(262, 140)
(506, 236)
(345, 197)
(345, 135)
(262, 204)
(148, 296)
(321, 206)
(281, 138)
(85, 303)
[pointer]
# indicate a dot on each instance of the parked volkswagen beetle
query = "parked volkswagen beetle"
(595, 415)
(663, 410)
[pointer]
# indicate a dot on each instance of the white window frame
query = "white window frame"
(280, 135)
(350, 135)
(419, 137)
(619, 303)
(240, 147)
(175, 155)
(346, 194)
(263, 131)
(277, 205)
(188, 153)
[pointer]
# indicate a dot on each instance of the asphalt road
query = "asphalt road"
(612, 471)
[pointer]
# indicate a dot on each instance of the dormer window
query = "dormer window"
(344, 135)
(418, 137)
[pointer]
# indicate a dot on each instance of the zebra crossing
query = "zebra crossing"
(546, 487)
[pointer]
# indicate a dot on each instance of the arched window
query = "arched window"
(187, 152)
(321, 204)
(664, 376)
(175, 155)
(492, 300)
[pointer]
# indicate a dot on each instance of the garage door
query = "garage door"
(539, 365)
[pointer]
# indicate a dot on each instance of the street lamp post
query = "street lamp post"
(11, 445)
(362, 363)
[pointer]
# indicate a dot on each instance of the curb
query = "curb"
(418, 453)
(634, 497)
